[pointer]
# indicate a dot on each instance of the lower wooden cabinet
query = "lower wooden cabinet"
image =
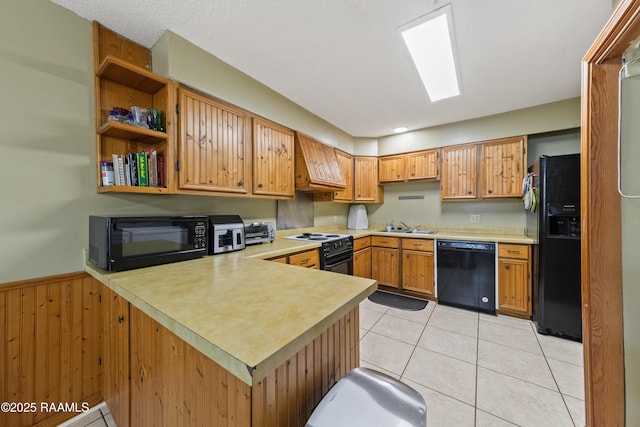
(309, 259)
(362, 257)
(116, 383)
(281, 259)
(418, 266)
(514, 280)
(385, 260)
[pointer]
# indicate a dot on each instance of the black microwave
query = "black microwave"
(125, 243)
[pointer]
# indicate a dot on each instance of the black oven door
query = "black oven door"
(342, 263)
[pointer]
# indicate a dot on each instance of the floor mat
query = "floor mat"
(401, 302)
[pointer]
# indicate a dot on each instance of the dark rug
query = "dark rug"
(398, 301)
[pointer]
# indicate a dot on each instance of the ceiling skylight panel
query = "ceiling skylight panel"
(430, 41)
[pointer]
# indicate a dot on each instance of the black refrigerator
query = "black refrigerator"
(557, 294)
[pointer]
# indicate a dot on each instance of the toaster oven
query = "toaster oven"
(259, 232)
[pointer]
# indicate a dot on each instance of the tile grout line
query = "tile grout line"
(416, 344)
(475, 397)
(553, 376)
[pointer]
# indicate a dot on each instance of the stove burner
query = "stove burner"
(309, 235)
(317, 237)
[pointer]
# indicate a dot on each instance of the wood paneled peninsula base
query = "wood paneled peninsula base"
(226, 340)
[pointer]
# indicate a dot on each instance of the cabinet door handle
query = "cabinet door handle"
(489, 191)
(240, 183)
(260, 185)
(511, 251)
(120, 319)
(469, 192)
(507, 266)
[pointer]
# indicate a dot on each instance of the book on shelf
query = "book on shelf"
(152, 167)
(143, 169)
(118, 165)
(141, 159)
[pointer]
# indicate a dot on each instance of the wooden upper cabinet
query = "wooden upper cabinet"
(365, 180)
(316, 165)
(423, 164)
(272, 159)
(459, 172)
(503, 167)
(392, 168)
(212, 145)
(410, 166)
(345, 162)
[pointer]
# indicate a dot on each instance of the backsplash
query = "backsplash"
(430, 211)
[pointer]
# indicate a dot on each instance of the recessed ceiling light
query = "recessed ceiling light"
(430, 40)
(400, 129)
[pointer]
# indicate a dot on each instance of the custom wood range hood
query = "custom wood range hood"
(316, 166)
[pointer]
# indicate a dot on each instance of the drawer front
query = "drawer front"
(309, 259)
(418, 244)
(385, 242)
(513, 251)
(361, 243)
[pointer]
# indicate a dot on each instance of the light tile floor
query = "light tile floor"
(476, 369)
(472, 369)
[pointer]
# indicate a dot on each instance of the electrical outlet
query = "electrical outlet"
(475, 219)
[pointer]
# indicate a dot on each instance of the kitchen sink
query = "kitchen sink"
(422, 232)
(408, 231)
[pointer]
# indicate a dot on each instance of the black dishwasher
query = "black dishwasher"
(467, 275)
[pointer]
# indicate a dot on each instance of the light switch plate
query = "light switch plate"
(475, 219)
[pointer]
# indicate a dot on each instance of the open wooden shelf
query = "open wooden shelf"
(130, 132)
(132, 189)
(120, 71)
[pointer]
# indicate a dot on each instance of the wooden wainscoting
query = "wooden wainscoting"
(174, 384)
(287, 396)
(50, 345)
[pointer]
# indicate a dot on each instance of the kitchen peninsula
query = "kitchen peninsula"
(228, 339)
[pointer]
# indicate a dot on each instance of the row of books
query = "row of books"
(144, 169)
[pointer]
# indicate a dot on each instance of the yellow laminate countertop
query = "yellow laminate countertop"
(460, 235)
(476, 235)
(246, 314)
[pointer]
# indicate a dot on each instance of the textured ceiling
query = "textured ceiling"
(344, 60)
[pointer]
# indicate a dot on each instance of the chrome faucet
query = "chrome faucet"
(404, 225)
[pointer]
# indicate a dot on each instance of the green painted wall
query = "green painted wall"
(528, 121)
(47, 149)
(179, 59)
